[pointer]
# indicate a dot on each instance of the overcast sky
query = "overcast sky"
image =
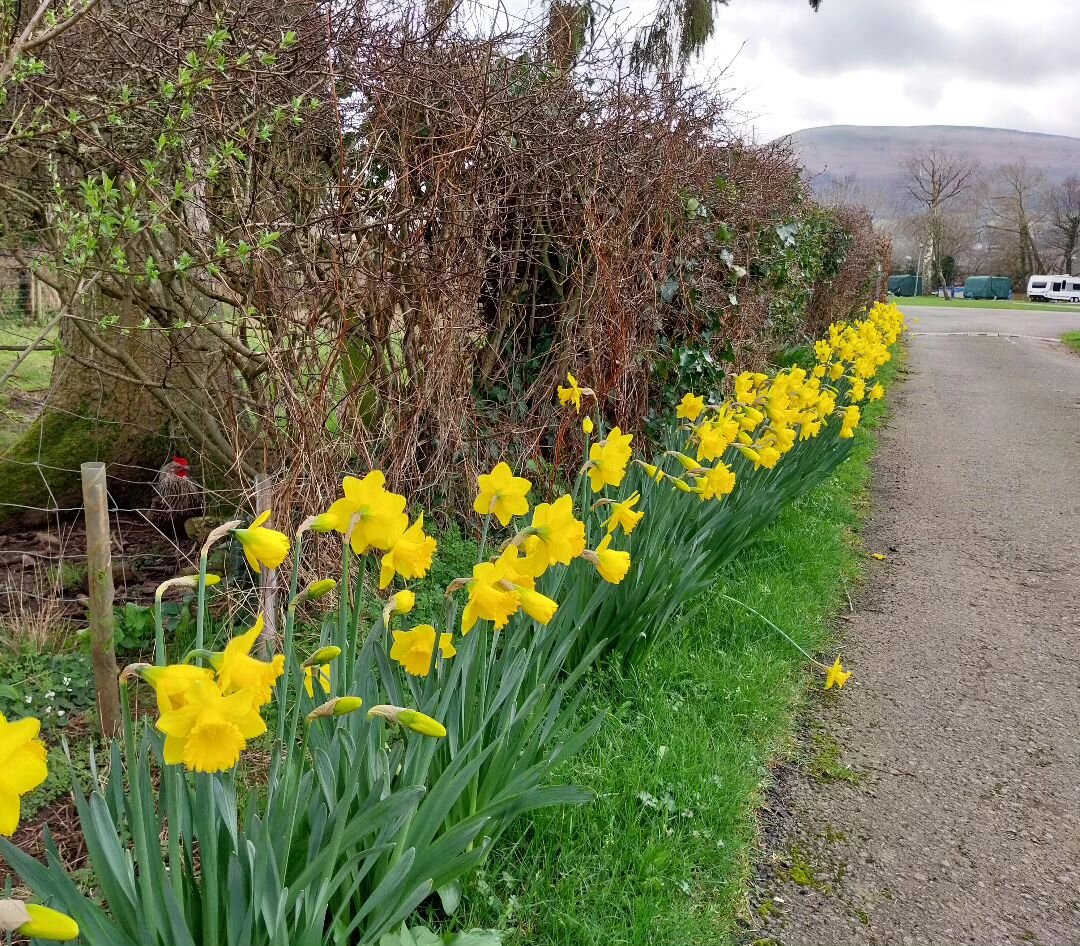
(995, 63)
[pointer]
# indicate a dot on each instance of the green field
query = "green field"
(31, 378)
(663, 855)
(1072, 339)
(985, 304)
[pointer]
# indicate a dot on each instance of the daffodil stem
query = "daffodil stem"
(795, 644)
(343, 621)
(159, 632)
(484, 537)
(354, 626)
(290, 626)
(200, 613)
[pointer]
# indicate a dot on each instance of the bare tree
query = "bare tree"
(934, 180)
(1014, 207)
(1064, 221)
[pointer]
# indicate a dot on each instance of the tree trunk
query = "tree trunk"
(92, 413)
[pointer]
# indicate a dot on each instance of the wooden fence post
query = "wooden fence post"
(268, 581)
(100, 580)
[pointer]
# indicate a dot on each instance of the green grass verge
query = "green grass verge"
(662, 856)
(985, 304)
(1072, 339)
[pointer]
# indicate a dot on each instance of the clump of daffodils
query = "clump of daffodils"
(22, 767)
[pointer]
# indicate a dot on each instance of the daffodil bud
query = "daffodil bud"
(339, 706)
(409, 718)
(314, 591)
(133, 670)
(401, 602)
(36, 922)
(323, 655)
(188, 582)
(587, 425)
(685, 461)
(219, 533)
(653, 472)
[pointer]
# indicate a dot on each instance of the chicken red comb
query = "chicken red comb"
(180, 461)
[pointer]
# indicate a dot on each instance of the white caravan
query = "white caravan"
(1054, 289)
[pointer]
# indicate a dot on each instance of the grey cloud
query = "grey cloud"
(886, 34)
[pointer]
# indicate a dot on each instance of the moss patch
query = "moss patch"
(41, 469)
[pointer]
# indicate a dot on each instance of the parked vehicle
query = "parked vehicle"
(1054, 289)
(988, 287)
(1037, 287)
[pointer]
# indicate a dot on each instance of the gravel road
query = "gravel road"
(959, 818)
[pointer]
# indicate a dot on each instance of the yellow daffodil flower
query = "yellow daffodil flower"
(572, 394)
(412, 649)
(518, 568)
(718, 481)
(768, 457)
(171, 683)
(502, 494)
(877, 392)
(238, 670)
(555, 536)
(539, 607)
(262, 546)
(411, 555)
(837, 676)
(608, 460)
(610, 563)
(851, 421)
(746, 385)
(22, 767)
(624, 516)
(210, 731)
(587, 424)
(690, 407)
(716, 436)
(489, 597)
(809, 429)
(369, 515)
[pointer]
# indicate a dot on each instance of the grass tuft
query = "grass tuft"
(661, 857)
(1072, 339)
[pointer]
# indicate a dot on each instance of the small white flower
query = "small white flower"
(67, 681)
(60, 712)
(49, 694)
(28, 699)
(48, 711)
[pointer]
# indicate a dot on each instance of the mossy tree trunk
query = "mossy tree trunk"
(97, 410)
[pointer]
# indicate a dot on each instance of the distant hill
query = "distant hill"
(872, 155)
